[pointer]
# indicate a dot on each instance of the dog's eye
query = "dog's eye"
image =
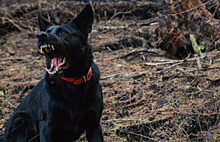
(63, 32)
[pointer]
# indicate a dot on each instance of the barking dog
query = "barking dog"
(68, 101)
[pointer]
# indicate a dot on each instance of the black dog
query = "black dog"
(68, 101)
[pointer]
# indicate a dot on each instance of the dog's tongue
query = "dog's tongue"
(57, 60)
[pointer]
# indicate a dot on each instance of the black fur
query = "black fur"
(57, 110)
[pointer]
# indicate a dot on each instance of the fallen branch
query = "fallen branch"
(178, 75)
(14, 59)
(143, 136)
(204, 69)
(213, 41)
(137, 51)
(193, 8)
(174, 61)
(116, 14)
(113, 75)
(111, 50)
(148, 126)
(124, 119)
(13, 23)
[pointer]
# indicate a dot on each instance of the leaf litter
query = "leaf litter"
(148, 94)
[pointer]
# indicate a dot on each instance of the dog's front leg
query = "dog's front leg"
(44, 132)
(94, 135)
(48, 133)
(21, 128)
(54, 132)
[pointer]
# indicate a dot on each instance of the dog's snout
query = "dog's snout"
(42, 35)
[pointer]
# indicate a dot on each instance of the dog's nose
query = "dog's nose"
(42, 35)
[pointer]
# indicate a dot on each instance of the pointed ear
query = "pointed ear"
(43, 23)
(84, 20)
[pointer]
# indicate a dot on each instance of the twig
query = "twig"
(212, 42)
(143, 136)
(14, 59)
(108, 76)
(110, 120)
(216, 122)
(192, 8)
(174, 61)
(111, 50)
(101, 27)
(116, 14)
(169, 60)
(197, 92)
(172, 66)
(204, 69)
(137, 51)
(13, 23)
(178, 75)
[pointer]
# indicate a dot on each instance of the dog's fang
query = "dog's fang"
(53, 72)
(41, 49)
(52, 47)
(57, 69)
(64, 61)
(47, 70)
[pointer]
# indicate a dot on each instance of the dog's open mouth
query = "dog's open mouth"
(57, 58)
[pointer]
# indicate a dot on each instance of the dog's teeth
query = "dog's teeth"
(48, 45)
(57, 69)
(53, 72)
(47, 70)
(52, 47)
(51, 65)
(64, 61)
(41, 49)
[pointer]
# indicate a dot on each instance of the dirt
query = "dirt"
(147, 95)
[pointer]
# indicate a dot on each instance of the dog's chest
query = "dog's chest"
(70, 114)
(69, 120)
(70, 109)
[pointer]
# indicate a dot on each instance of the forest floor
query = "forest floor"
(147, 95)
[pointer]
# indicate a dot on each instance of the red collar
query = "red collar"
(79, 80)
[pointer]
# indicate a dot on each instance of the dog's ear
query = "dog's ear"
(84, 20)
(43, 23)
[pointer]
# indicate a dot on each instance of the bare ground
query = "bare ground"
(147, 96)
